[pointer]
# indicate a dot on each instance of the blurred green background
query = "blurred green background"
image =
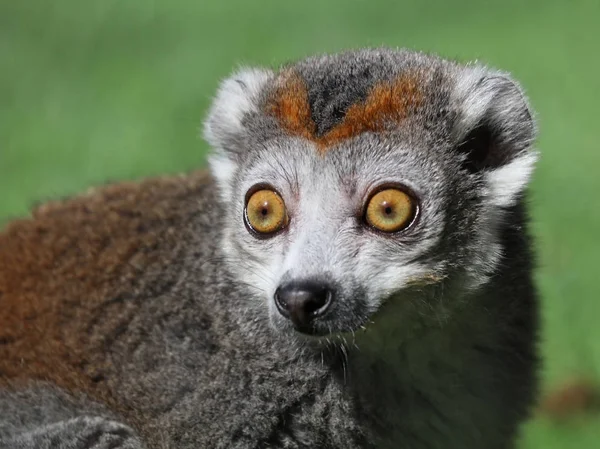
(100, 90)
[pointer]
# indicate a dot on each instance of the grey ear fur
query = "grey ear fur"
(496, 130)
(236, 97)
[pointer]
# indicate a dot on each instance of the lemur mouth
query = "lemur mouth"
(312, 331)
(324, 331)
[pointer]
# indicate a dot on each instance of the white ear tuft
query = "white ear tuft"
(473, 102)
(494, 99)
(237, 96)
(494, 130)
(506, 183)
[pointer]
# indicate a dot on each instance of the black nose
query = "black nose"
(301, 302)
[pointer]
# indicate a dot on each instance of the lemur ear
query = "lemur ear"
(236, 97)
(495, 131)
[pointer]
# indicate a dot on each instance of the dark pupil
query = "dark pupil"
(264, 211)
(388, 210)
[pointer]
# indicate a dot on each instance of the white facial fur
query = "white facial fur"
(327, 237)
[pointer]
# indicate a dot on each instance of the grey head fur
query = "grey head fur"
(465, 153)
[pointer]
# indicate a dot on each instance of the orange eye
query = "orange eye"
(390, 210)
(266, 212)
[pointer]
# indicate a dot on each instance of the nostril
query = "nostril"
(301, 302)
(318, 303)
(281, 303)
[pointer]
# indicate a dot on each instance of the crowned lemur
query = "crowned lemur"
(354, 272)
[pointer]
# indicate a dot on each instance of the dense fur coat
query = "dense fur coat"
(141, 314)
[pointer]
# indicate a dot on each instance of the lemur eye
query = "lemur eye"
(265, 212)
(390, 210)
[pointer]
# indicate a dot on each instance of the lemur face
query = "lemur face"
(328, 238)
(360, 179)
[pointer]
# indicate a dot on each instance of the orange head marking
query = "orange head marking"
(289, 105)
(386, 106)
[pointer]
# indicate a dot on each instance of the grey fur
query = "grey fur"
(431, 340)
(44, 417)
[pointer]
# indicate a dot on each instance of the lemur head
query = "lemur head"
(356, 179)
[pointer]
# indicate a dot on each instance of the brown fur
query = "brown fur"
(72, 258)
(388, 103)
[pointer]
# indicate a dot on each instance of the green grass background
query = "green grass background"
(101, 90)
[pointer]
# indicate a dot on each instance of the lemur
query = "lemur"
(354, 271)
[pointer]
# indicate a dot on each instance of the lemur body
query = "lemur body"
(170, 313)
